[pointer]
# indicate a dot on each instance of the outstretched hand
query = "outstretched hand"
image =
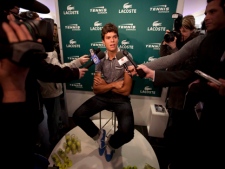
(84, 59)
(149, 72)
(82, 72)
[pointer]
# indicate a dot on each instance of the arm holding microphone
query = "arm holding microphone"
(53, 59)
(140, 72)
(149, 73)
(96, 56)
(187, 51)
(76, 63)
(53, 73)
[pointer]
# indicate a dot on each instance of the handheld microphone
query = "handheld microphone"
(122, 60)
(93, 52)
(96, 59)
(140, 72)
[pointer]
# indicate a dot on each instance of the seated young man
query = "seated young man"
(112, 86)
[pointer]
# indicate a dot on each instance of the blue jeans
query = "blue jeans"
(123, 110)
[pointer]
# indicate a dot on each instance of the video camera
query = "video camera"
(169, 37)
(39, 29)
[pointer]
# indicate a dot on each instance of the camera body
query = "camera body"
(39, 29)
(169, 37)
(26, 53)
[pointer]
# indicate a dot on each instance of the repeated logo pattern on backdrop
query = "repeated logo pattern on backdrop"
(142, 25)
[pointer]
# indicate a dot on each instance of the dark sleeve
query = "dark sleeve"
(173, 78)
(184, 75)
(47, 72)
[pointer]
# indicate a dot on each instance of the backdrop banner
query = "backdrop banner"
(142, 25)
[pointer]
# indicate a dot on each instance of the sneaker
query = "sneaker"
(109, 153)
(101, 142)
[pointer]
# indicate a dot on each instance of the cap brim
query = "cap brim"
(33, 5)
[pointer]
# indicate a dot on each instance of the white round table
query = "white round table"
(137, 152)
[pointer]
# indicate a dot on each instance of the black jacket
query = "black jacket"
(209, 138)
(47, 73)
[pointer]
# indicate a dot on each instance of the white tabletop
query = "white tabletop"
(137, 152)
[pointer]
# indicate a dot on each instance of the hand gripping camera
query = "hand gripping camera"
(169, 37)
(26, 52)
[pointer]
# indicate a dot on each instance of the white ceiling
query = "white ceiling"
(190, 6)
(194, 7)
(51, 5)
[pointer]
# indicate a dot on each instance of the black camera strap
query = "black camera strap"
(23, 53)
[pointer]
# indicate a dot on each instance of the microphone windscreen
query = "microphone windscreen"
(97, 50)
(101, 55)
(121, 58)
(119, 55)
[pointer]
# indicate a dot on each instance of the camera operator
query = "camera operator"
(18, 47)
(12, 81)
(174, 41)
(51, 92)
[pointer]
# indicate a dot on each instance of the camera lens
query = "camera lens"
(169, 37)
(32, 28)
(41, 29)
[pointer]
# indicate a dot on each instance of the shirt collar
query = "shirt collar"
(106, 53)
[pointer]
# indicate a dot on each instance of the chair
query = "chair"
(112, 118)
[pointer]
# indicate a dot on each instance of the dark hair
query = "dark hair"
(109, 27)
(222, 3)
(203, 27)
